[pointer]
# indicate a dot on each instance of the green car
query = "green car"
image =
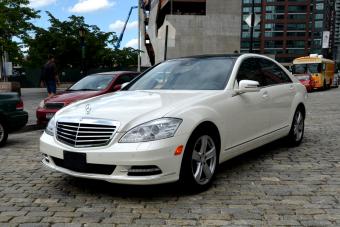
(12, 115)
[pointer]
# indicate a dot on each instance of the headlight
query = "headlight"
(153, 130)
(42, 104)
(50, 127)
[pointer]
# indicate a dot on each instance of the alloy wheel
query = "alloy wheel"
(203, 161)
(298, 125)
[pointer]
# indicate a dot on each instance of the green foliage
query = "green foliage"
(63, 41)
(15, 21)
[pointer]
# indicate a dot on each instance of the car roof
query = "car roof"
(115, 72)
(210, 56)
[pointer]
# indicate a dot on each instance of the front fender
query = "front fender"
(196, 115)
(299, 98)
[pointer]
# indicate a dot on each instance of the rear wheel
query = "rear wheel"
(324, 85)
(3, 134)
(200, 161)
(296, 132)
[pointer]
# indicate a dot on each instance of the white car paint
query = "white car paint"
(244, 121)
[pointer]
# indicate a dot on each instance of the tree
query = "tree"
(63, 41)
(125, 57)
(15, 17)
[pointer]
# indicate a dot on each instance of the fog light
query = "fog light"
(45, 158)
(144, 171)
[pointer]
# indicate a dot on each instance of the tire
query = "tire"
(297, 129)
(200, 160)
(3, 134)
(324, 85)
(328, 86)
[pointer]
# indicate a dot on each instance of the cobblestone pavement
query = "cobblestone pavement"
(273, 185)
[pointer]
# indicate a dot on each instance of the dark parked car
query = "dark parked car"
(12, 115)
(88, 87)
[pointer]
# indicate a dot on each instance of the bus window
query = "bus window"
(299, 69)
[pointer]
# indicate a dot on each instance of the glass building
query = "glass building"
(289, 28)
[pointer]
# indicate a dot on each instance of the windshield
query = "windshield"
(187, 74)
(306, 68)
(94, 82)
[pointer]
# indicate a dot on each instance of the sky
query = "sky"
(108, 15)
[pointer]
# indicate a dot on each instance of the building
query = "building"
(337, 30)
(290, 29)
(176, 28)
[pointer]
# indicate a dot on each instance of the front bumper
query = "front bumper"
(44, 115)
(123, 156)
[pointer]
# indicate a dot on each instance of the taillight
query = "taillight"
(19, 105)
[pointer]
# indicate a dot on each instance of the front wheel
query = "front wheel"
(324, 85)
(296, 132)
(200, 161)
(3, 134)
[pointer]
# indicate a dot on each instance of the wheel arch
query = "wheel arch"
(212, 128)
(302, 107)
(2, 118)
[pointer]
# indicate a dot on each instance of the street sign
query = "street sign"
(325, 39)
(256, 21)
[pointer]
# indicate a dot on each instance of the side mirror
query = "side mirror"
(248, 86)
(117, 87)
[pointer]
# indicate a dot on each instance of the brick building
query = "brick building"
(290, 29)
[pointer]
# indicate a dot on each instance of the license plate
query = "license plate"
(49, 115)
(75, 161)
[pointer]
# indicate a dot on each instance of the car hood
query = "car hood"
(72, 96)
(131, 108)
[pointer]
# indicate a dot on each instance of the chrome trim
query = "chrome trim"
(75, 131)
(248, 141)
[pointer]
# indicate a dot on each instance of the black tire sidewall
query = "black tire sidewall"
(3, 141)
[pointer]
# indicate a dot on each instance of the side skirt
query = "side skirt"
(234, 151)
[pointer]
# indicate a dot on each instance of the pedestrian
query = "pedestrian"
(49, 76)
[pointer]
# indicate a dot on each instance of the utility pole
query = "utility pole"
(252, 26)
(139, 35)
(82, 33)
(166, 42)
(171, 7)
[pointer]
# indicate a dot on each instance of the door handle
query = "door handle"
(291, 88)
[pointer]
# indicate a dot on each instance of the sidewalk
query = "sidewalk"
(32, 97)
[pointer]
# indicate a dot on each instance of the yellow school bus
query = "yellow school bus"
(320, 69)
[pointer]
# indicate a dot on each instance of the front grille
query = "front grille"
(87, 168)
(54, 105)
(84, 134)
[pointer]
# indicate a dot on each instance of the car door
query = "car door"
(281, 92)
(248, 113)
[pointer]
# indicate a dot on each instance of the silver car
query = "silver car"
(336, 80)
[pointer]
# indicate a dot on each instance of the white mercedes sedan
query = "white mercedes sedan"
(177, 121)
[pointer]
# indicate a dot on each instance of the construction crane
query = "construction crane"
(117, 46)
